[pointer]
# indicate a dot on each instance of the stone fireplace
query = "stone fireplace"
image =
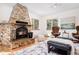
(17, 26)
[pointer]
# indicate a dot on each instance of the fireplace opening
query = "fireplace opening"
(21, 30)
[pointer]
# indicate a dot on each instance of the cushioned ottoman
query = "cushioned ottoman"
(59, 48)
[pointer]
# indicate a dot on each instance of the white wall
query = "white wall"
(65, 14)
(58, 16)
(5, 12)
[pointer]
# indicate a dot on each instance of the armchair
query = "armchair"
(55, 31)
(76, 35)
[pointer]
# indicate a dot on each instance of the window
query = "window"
(35, 23)
(51, 23)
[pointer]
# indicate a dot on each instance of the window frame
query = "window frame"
(51, 21)
(35, 27)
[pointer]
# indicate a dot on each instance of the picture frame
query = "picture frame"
(67, 23)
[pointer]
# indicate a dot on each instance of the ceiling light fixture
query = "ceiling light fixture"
(55, 5)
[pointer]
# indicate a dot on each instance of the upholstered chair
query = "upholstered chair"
(55, 31)
(76, 35)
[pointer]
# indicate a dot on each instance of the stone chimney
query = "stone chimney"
(8, 30)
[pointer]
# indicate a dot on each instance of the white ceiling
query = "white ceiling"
(47, 8)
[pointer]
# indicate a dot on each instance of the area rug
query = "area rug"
(38, 49)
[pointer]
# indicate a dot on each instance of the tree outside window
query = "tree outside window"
(51, 23)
